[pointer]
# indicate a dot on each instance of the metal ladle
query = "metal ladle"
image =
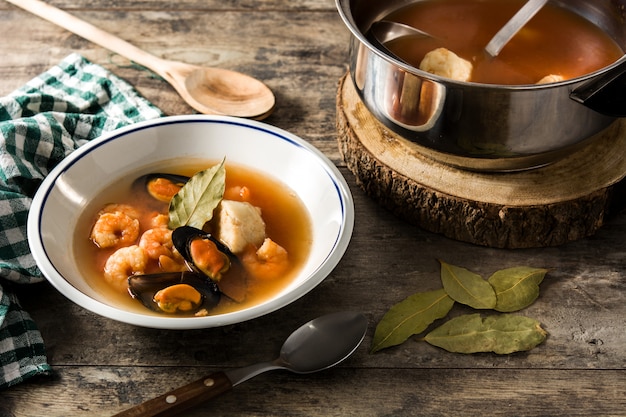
(315, 346)
(387, 30)
(513, 26)
(384, 31)
(208, 90)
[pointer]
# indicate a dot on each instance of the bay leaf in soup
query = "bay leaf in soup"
(193, 205)
(516, 288)
(501, 334)
(409, 317)
(467, 287)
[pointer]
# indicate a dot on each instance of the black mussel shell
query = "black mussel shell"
(182, 237)
(149, 180)
(231, 288)
(144, 288)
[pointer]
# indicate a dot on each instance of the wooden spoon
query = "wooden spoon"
(208, 90)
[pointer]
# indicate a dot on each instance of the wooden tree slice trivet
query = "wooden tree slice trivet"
(547, 206)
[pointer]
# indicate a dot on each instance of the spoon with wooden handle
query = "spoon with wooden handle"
(317, 345)
(208, 90)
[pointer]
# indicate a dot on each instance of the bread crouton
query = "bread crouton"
(446, 63)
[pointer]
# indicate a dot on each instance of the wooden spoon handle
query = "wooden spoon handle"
(182, 398)
(90, 32)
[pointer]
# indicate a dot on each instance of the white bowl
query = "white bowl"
(80, 177)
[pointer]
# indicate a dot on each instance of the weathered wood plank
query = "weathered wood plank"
(207, 5)
(101, 391)
(302, 72)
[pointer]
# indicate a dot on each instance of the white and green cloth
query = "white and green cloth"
(40, 124)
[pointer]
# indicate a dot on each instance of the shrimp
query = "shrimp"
(124, 262)
(270, 261)
(159, 220)
(127, 209)
(157, 242)
(113, 229)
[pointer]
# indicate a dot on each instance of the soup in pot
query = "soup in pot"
(555, 43)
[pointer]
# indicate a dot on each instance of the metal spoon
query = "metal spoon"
(384, 31)
(208, 90)
(317, 345)
(387, 30)
(513, 26)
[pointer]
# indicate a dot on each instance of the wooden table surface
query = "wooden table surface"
(300, 49)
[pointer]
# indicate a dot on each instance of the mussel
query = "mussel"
(204, 253)
(174, 292)
(189, 291)
(164, 186)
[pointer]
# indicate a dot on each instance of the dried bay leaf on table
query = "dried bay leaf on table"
(502, 334)
(516, 288)
(467, 287)
(409, 317)
(193, 205)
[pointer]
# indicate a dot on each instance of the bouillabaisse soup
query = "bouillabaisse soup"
(554, 42)
(125, 232)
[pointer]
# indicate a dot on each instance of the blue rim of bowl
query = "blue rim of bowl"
(67, 289)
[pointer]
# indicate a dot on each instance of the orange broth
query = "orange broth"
(286, 218)
(555, 41)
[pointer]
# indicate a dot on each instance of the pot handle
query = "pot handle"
(606, 93)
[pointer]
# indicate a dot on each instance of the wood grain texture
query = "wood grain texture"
(422, 392)
(102, 367)
(301, 70)
(206, 5)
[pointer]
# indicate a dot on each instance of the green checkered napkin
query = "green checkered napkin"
(40, 124)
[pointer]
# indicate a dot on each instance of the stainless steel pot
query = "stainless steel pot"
(480, 126)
